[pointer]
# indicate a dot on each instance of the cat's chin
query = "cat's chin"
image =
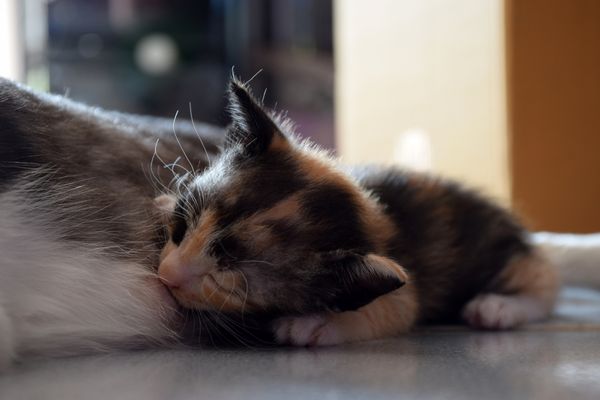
(167, 298)
(164, 296)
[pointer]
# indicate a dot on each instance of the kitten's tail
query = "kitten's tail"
(576, 256)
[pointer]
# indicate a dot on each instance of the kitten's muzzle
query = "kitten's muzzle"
(202, 286)
(175, 272)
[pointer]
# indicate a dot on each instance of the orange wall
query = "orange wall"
(553, 58)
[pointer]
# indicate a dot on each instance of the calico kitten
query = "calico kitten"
(277, 227)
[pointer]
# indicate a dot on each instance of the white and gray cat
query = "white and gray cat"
(79, 232)
(95, 217)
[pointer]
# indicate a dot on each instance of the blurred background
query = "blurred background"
(501, 94)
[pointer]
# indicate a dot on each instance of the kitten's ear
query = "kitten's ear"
(360, 279)
(165, 204)
(251, 125)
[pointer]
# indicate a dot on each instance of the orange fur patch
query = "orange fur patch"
(285, 209)
(190, 248)
(253, 228)
(388, 315)
(320, 170)
(219, 290)
(378, 226)
(169, 247)
(279, 143)
(387, 264)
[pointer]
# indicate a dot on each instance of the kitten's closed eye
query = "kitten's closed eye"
(227, 251)
(173, 215)
(179, 229)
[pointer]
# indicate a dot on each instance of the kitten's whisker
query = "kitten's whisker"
(157, 183)
(214, 291)
(230, 292)
(205, 318)
(165, 165)
(179, 142)
(198, 135)
(163, 280)
(256, 261)
(246, 289)
(230, 326)
(253, 76)
(262, 100)
(225, 250)
(242, 327)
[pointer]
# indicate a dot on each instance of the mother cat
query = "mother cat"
(79, 232)
(273, 227)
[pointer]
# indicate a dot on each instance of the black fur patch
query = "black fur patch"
(227, 250)
(179, 229)
(334, 215)
(251, 126)
(452, 241)
(272, 179)
(347, 283)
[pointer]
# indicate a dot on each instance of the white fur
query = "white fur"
(577, 256)
(496, 311)
(299, 331)
(61, 299)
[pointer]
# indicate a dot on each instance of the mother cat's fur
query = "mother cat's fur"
(79, 233)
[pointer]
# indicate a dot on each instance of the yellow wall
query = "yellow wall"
(11, 60)
(434, 67)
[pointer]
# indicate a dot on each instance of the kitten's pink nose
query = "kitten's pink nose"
(173, 272)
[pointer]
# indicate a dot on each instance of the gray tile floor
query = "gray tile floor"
(556, 360)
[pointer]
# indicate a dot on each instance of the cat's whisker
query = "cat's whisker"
(230, 327)
(179, 143)
(210, 276)
(198, 135)
(223, 321)
(164, 280)
(231, 292)
(245, 329)
(210, 325)
(246, 289)
(188, 312)
(256, 261)
(225, 250)
(170, 167)
(253, 76)
(262, 99)
(157, 185)
(154, 177)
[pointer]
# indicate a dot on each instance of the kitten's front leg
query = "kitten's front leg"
(389, 315)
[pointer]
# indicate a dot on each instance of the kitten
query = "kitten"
(277, 227)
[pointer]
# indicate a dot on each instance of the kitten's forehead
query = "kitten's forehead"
(286, 195)
(219, 175)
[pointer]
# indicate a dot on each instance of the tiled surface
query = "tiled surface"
(557, 360)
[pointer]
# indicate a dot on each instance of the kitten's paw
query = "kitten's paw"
(313, 330)
(492, 311)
